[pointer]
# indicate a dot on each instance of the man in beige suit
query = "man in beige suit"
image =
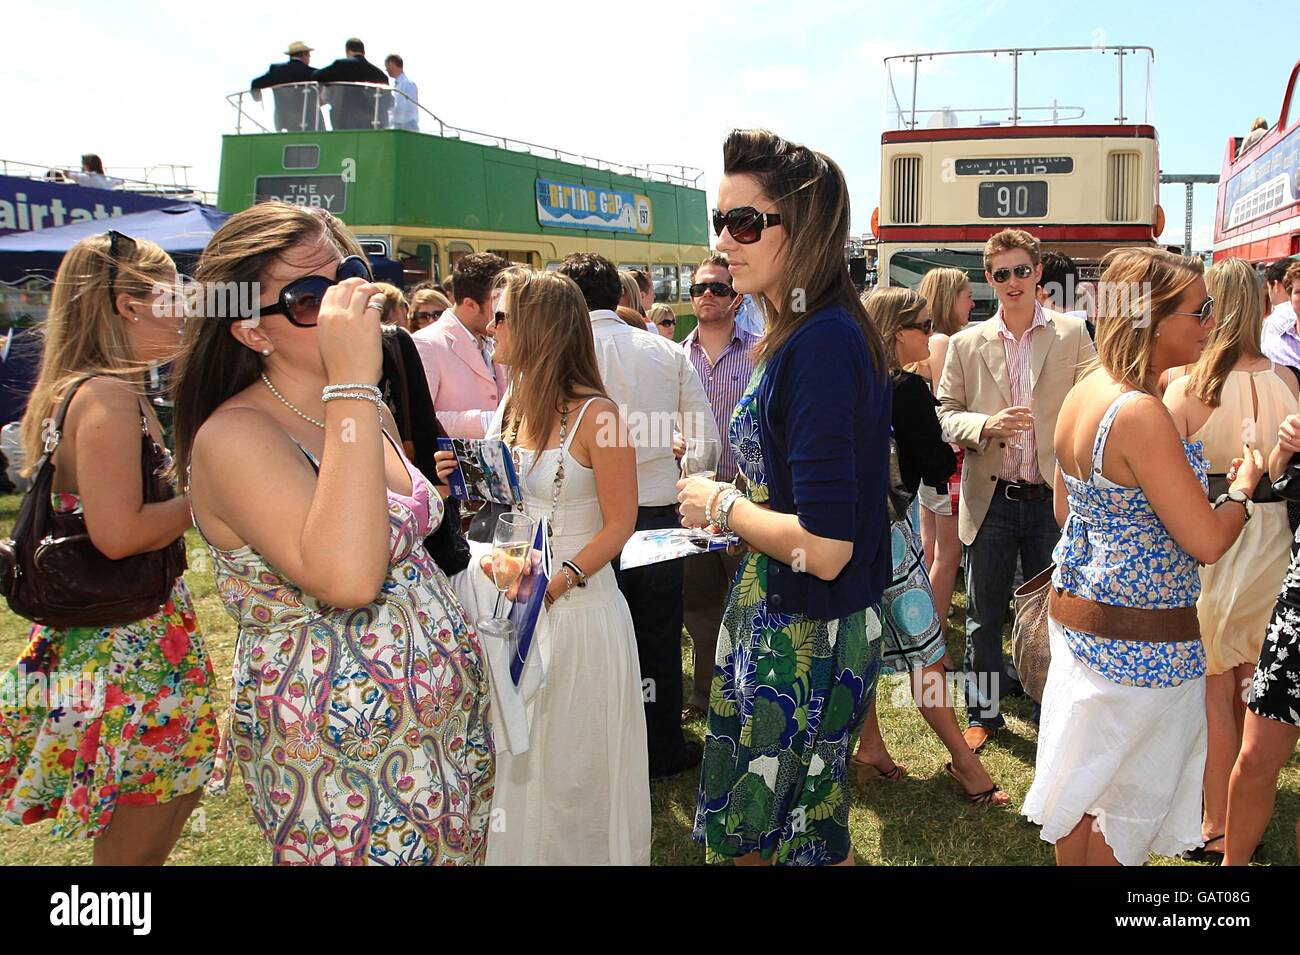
(1002, 387)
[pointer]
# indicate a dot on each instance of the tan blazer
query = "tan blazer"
(975, 385)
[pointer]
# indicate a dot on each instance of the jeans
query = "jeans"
(1011, 529)
(654, 595)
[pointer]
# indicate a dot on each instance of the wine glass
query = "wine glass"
(511, 542)
(701, 460)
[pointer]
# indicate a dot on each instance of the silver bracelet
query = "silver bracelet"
(725, 505)
(369, 389)
(713, 499)
(358, 395)
(568, 575)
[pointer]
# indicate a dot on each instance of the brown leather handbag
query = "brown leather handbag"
(52, 574)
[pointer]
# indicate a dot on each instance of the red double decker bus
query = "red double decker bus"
(1258, 214)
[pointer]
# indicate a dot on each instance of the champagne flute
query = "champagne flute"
(701, 460)
(511, 542)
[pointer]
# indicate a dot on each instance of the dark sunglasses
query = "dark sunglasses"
(719, 289)
(299, 301)
(925, 327)
(429, 316)
(667, 322)
(745, 223)
(498, 318)
(1206, 311)
(1022, 272)
(118, 243)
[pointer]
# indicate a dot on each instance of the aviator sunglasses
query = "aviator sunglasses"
(719, 289)
(1204, 313)
(300, 300)
(431, 316)
(1022, 272)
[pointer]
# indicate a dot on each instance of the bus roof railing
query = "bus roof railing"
(301, 107)
(160, 179)
(905, 109)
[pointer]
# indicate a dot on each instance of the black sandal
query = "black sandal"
(1203, 853)
(980, 799)
(892, 775)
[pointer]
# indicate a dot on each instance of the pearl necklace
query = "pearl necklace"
(290, 405)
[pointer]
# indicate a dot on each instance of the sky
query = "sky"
(144, 83)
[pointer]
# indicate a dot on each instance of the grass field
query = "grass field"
(920, 820)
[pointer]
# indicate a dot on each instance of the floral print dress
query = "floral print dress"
(789, 692)
(101, 717)
(1275, 687)
(362, 735)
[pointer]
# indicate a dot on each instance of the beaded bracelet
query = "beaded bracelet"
(713, 499)
(369, 389)
(358, 395)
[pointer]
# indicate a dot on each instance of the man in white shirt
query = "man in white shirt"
(1280, 340)
(466, 385)
(404, 114)
(658, 391)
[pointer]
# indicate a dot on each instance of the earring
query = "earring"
(267, 351)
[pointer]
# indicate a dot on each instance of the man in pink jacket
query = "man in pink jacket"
(464, 382)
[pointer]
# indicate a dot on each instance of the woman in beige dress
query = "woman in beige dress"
(1234, 395)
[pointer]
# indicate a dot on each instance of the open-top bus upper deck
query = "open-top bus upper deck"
(1258, 213)
(1071, 157)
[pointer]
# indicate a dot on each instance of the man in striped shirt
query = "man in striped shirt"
(1001, 391)
(719, 349)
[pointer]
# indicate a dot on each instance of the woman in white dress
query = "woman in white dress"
(580, 795)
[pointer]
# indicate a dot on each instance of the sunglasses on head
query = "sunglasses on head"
(1205, 312)
(719, 289)
(299, 301)
(1021, 272)
(745, 223)
(118, 243)
(925, 327)
(432, 316)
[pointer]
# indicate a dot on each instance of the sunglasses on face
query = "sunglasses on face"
(498, 318)
(668, 322)
(1205, 313)
(1021, 272)
(118, 244)
(299, 301)
(429, 316)
(925, 327)
(719, 289)
(745, 223)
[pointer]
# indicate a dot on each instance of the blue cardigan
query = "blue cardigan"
(824, 414)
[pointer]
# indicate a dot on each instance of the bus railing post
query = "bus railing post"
(1015, 87)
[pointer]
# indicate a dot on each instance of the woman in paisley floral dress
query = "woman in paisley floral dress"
(359, 703)
(1273, 705)
(798, 653)
(121, 743)
(1121, 744)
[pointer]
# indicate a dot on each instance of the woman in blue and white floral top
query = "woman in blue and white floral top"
(1121, 748)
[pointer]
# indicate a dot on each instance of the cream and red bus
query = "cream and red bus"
(1258, 213)
(1081, 174)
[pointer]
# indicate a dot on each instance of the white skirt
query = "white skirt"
(1133, 757)
(580, 795)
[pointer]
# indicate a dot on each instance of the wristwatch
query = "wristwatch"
(1241, 497)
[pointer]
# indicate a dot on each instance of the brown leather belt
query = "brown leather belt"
(1110, 621)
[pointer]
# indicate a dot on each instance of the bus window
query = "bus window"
(633, 267)
(664, 278)
(457, 251)
(419, 261)
(688, 276)
(515, 256)
(553, 266)
(908, 267)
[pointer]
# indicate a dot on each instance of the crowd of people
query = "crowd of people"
(872, 447)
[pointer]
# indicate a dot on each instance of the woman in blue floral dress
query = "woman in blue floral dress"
(798, 653)
(1121, 745)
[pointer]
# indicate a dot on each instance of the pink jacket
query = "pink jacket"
(459, 382)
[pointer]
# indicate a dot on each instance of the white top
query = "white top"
(94, 180)
(404, 111)
(657, 391)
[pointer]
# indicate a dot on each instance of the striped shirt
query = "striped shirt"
(724, 384)
(1020, 462)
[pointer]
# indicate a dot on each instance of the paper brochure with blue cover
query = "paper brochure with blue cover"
(484, 471)
(530, 603)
